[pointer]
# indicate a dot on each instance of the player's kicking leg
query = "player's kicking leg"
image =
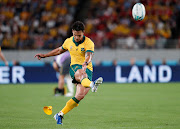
(86, 82)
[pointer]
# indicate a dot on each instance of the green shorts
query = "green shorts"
(75, 67)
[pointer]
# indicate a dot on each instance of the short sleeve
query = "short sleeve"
(89, 46)
(64, 46)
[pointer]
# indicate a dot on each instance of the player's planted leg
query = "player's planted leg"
(68, 107)
(80, 94)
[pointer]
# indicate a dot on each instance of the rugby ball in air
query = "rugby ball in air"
(138, 12)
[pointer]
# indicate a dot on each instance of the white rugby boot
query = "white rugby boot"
(97, 82)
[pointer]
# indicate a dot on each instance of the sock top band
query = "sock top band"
(77, 101)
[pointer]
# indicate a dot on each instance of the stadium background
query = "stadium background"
(28, 27)
(126, 51)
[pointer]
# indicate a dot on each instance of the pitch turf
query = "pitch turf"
(113, 106)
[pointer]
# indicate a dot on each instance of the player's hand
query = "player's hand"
(39, 56)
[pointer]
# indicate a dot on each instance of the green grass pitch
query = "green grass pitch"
(138, 106)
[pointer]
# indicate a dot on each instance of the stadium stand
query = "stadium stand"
(44, 24)
(34, 24)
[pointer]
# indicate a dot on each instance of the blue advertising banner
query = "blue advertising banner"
(161, 73)
(27, 74)
(118, 74)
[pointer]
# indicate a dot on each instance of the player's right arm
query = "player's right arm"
(54, 52)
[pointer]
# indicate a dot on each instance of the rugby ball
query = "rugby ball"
(138, 12)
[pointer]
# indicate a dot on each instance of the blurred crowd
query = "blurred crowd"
(35, 24)
(45, 24)
(110, 24)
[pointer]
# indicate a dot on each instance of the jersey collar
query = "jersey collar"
(77, 43)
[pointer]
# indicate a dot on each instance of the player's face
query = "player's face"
(78, 35)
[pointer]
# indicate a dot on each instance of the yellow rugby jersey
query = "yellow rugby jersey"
(78, 50)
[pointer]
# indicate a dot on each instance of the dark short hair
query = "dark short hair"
(78, 26)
